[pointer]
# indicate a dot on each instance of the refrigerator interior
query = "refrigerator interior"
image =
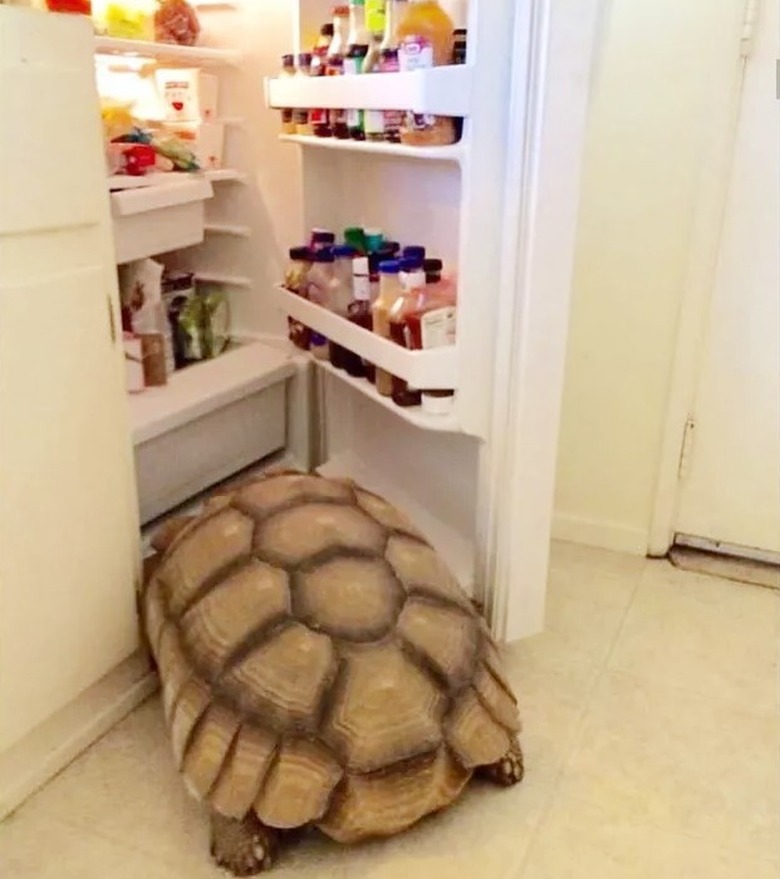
(449, 199)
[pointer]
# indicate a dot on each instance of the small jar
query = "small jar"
(301, 117)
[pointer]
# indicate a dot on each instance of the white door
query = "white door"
(730, 493)
(68, 519)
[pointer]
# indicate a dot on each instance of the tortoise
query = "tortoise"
(320, 666)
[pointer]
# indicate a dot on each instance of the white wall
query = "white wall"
(661, 92)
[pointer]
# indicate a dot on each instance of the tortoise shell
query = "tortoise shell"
(319, 663)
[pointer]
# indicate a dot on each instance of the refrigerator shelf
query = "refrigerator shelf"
(202, 388)
(454, 153)
(197, 56)
(413, 414)
(442, 91)
(435, 369)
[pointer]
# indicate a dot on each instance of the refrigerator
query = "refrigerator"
(84, 466)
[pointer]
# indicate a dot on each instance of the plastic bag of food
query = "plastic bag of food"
(175, 21)
(216, 318)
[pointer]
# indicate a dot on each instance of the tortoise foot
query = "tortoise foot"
(509, 769)
(244, 848)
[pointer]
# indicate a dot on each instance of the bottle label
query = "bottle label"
(438, 327)
(374, 122)
(361, 288)
(415, 53)
(353, 66)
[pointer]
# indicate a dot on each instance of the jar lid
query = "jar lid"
(288, 60)
(390, 267)
(341, 251)
(415, 251)
(322, 236)
(324, 255)
(304, 59)
(410, 264)
(300, 253)
(433, 265)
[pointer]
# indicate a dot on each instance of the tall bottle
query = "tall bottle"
(425, 39)
(319, 116)
(337, 117)
(382, 59)
(412, 283)
(376, 17)
(358, 42)
(389, 291)
(360, 314)
(341, 299)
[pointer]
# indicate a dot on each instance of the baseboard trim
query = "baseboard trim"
(599, 533)
(49, 748)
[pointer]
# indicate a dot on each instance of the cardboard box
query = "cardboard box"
(188, 94)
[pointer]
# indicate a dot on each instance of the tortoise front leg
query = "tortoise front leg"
(509, 769)
(244, 847)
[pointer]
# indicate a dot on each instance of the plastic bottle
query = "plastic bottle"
(319, 117)
(412, 282)
(340, 300)
(321, 239)
(301, 115)
(337, 117)
(288, 114)
(392, 120)
(360, 314)
(295, 280)
(358, 42)
(425, 39)
(433, 324)
(320, 280)
(389, 291)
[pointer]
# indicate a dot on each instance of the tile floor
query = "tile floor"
(651, 735)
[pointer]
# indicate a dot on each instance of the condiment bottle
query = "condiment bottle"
(389, 291)
(374, 239)
(337, 117)
(321, 239)
(425, 39)
(341, 299)
(374, 120)
(288, 120)
(296, 280)
(301, 115)
(318, 346)
(405, 304)
(360, 314)
(319, 117)
(392, 120)
(433, 325)
(358, 43)
(320, 280)
(355, 237)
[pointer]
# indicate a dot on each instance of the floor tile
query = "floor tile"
(580, 840)
(34, 846)
(553, 689)
(485, 834)
(663, 757)
(707, 635)
(596, 575)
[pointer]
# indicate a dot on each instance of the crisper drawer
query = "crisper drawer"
(159, 218)
(174, 466)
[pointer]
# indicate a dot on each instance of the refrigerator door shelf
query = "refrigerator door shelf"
(413, 414)
(158, 218)
(434, 369)
(195, 56)
(441, 91)
(454, 153)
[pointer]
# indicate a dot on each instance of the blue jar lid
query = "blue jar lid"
(341, 251)
(390, 267)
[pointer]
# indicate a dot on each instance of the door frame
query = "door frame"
(550, 80)
(715, 179)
